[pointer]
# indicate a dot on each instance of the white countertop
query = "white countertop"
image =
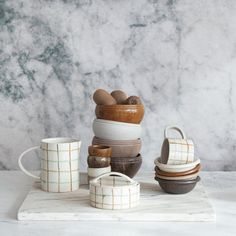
(220, 186)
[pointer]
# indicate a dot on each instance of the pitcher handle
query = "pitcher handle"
(22, 167)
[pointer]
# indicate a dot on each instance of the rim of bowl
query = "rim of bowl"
(158, 163)
(190, 181)
(130, 142)
(99, 147)
(184, 177)
(121, 105)
(118, 123)
(126, 159)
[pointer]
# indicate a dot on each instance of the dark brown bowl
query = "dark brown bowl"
(99, 151)
(177, 186)
(126, 165)
(98, 162)
(121, 148)
(122, 113)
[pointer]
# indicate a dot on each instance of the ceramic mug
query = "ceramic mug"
(59, 164)
(177, 151)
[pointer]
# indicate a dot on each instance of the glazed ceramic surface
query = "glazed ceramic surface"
(95, 172)
(98, 162)
(126, 165)
(177, 151)
(122, 113)
(114, 192)
(176, 174)
(178, 186)
(121, 148)
(114, 130)
(99, 150)
(175, 168)
(59, 164)
(184, 177)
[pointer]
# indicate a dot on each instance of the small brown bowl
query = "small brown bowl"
(98, 162)
(177, 186)
(122, 113)
(99, 151)
(126, 165)
(178, 174)
(121, 148)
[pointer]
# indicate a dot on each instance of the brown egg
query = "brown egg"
(119, 96)
(102, 97)
(133, 100)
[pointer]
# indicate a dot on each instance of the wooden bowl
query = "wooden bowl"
(177, 186)
(126, 165)
(121, 148)
(99, 151)
(122, 113)
(98, 162)
(177, 174)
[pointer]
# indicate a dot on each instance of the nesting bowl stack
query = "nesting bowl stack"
(117, 125)
(99, 161)
(177, 170)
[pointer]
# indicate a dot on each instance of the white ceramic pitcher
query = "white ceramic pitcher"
(59, 164)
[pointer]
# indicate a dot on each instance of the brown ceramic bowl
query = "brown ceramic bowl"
(184, 177)
(122, 113)
(98, 162)
(99, 150)
(126, 165)
(121, 148)
(177, 186)
(177, 174)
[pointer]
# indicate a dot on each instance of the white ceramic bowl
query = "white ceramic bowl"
(114, 130)
(95, 172)
(175, 168)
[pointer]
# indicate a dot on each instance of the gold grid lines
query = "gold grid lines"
(184, 144)
(187, 150)
(118, 195)
(77, 149)
(70, 167)
(121, 197)
(55, 171)
(102, 198)
(116, 204)
(60, 160)
(95, 195)
(129, 198)
(47, 171)
(112, 198)
(58, 168)
(55, 182)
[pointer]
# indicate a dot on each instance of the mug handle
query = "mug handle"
(22, 167)
(112, 173)
(175, 128)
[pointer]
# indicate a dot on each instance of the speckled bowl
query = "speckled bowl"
(177, 186)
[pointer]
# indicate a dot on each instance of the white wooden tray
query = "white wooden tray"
(155, 205)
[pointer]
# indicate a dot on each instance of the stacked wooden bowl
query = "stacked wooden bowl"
(177, 170)
(117, 125)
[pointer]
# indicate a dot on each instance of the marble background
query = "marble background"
(178, 56)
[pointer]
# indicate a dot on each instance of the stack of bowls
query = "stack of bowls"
(118, 126)
(99, 160)
(177, 170)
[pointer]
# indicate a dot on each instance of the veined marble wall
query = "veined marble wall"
(178, 56)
